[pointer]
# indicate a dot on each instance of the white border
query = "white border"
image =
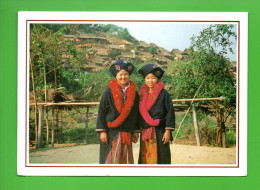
(135, 170)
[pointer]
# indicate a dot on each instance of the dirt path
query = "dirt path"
(181, 154)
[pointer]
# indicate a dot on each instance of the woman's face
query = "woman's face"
(122, 77)
(151, 80)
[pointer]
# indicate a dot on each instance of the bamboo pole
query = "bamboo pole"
(45, 83)
(196, 125)
(86, 129)
(187, 112)
(61, 123)
(35, 105)
(57, 126)
(198, 99)
(45, 97)
(53, 125)
(97, 103)
(67, 104)
(47, 126)
(40, 127)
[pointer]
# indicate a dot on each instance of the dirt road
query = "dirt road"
(181, 154)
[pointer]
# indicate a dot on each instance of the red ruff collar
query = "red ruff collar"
(123, 109)
(147, 100)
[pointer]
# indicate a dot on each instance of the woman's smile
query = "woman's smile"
(122, 77)
(151, 80)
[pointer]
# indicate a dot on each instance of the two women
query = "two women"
(119, 119)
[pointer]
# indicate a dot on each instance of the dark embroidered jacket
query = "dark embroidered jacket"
(108, 112)
(162, 109)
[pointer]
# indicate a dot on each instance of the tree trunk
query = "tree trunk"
(55, 76)
(219, 133)
(223, 128)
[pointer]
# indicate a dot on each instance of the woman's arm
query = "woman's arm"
(170, 114)
(102, 112)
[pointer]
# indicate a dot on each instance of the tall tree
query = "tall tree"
(46, 50)
(208, 68)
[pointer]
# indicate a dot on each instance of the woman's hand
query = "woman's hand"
(135, 137)
(103, 137)
(166, 136)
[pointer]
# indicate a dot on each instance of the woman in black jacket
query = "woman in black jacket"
(118, 117)
(158, 118)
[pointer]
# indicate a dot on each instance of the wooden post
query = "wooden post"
(40, 127)
(57, 126)
(61, 123)
(53, 125)
(196, 125)
(86, 129)
(223, 128)
(47, 126)
(219, 142)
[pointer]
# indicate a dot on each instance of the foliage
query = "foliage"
(231, 137)
(46, 48)
(117, 31)
(124, 34)
(207, 73)
(214, 39)
(152, 50)
(114, 53)
(208, 131)
(207, 68)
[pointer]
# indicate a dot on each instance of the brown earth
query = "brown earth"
(181, 154)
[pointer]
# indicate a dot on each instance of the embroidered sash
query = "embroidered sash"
(123, 108)
(147, 100)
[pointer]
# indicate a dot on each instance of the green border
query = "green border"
(8, 96)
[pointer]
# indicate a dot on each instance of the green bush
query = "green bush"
(231, 137)
(208, 131)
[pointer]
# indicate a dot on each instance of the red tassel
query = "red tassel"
(126, 138)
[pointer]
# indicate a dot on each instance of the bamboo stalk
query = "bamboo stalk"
(40, 127)
(192, 100)
(53, 125)
(57, 126)
(198, 99)
(61, 123)
(196, 126)
(97, 103)
(86, 129)
(67, 104)
(47, 126)
(35, 105)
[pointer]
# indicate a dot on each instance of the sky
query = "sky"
(169, 35)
